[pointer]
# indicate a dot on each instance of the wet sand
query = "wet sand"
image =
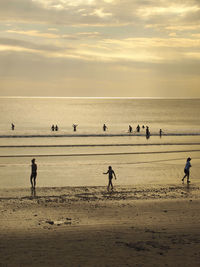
(86, 226)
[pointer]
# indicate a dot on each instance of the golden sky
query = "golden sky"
(123, 48)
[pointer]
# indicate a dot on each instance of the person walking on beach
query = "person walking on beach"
(12, 126)
(33, 173)
(187, 170)
(52, 128)
(56, 128)
(105, 127)
(110, 173)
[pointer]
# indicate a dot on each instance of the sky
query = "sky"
(100, 48)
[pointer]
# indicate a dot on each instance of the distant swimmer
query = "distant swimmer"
(105, 127)
(138, 128)
(187, 170)
(33, 173)
(12, 126)
(160, 132)
(110, 173)
(130, 129)
(75, 126)
(147, 132)
(56, 128)
(52, 128)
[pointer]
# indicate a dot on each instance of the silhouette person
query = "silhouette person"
(147, 132)
(143, 127)
(187, 170)
(105, 127)
(138, 128)
(130, 129)
(160, 132)
(52, 128)
(12, 126)
(110, 173)
(75, 126)
(56, 128)
(33, 173)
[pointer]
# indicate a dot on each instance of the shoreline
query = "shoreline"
(136, 192)
(97, 135)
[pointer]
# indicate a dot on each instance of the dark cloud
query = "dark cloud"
(26, 10)
(123, 12)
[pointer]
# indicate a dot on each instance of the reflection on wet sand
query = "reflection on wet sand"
(33, 192)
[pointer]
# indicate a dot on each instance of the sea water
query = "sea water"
(68, 158)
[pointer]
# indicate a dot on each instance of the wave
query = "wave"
(93, 135)
(98, 154)
(101, 145)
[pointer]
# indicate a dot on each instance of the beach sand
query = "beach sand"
(86, 226)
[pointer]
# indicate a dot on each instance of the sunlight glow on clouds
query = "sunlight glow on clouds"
(16, 48)
(174, 9)
(100, 13)
(150, 44)
(62, 4)
(34, 33)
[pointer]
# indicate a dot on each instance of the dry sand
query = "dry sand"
(86, 226)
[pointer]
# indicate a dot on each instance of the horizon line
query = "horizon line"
(99, 97)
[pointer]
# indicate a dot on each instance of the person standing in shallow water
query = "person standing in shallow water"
(160, 132)
(110, 173)
(75, 126)
(33, 173)
(105, 127)
(147, 132)
(187, 170)
(130, 129)
(138, 128)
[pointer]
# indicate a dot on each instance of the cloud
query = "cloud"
(110, 50)
(54, 12)
(174, 9)
(82, 35)
(11, 43)
(53, 29)
(183, 27)
(101, 12)
(132, 41)
(33, 75)
(34, 33)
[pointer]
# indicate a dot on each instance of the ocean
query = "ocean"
(68, 158)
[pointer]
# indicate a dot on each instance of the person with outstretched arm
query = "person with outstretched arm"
(75, 126)
(110, 173)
